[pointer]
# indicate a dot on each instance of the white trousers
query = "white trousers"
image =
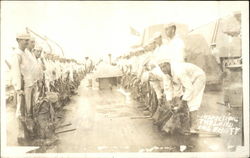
(199, 85)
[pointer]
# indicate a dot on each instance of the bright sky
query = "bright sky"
(98, 28)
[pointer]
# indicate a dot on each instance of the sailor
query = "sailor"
(29, 89)
(154, 73)
(88, 64)
(149, 49)
(173, 46)
(48, 71)
(53, 67)
(39, 74)
(61, 68)
(187, 82)
(23, 82)
(65, 69)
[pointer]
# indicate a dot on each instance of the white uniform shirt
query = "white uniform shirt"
(172, 50)
(39, 71)
(22, 67)
(48, 71)
(183, 76)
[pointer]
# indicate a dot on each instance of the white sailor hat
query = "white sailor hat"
(169, 25)
(156, 35)
(23, 36)
(161, 61)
